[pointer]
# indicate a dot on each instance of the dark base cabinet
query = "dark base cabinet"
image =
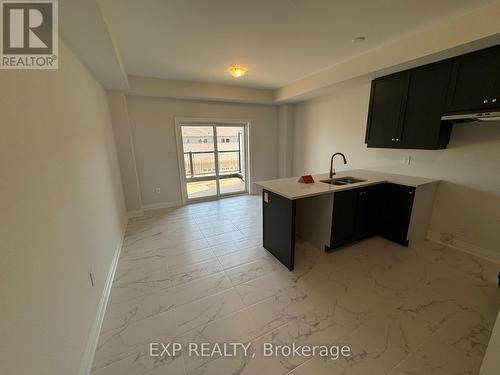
(394, 212)
(354, 214)
(383, 210)
(279, 227)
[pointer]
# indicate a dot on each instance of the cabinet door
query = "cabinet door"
(366, 211)
(495, 96)
(422, 127)
(344, 217)
(387, 100)
(395, 212)
(473, 82)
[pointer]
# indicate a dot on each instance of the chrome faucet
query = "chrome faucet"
(332, 166)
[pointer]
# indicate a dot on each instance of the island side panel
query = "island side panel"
(279, 227)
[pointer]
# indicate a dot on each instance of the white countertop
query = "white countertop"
(292, 189)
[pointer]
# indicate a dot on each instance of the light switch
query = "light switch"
(266, 197)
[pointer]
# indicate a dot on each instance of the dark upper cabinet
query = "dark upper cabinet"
(354, 215)
(387, 99)
(421, 125)
(495, 97)
(475, 82)
(393, 219)
(496, 92)
(406, 109)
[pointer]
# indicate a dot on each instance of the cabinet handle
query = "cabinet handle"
(410, 192)
(485, 101)
(397, 139)
(362, 192)
(494, 100)
(392, 139)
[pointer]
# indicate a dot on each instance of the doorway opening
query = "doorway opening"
(213, 158)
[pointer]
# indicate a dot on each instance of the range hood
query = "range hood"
(472, 117)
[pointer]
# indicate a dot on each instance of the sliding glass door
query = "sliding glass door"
(214, 160)
(199, 161)
(231, 159)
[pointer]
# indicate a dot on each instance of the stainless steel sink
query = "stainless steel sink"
(343, 181)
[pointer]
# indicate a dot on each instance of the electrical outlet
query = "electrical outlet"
(157, 190)
(91, 275)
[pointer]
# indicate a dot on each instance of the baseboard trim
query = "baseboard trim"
(156, 206)
(88, 357)
(136, 213)
(466, 247)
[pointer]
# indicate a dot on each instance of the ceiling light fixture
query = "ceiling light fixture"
(237, 71)
(358, 39)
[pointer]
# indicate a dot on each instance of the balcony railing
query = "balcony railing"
(200, 165)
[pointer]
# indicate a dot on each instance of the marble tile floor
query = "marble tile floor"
(198, 273)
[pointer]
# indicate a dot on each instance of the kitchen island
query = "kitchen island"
(336, 213)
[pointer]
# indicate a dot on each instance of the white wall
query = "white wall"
(123, 138)
(467, 206)
(153, 133)
(175, 89)
(285, 140)
(62, 214)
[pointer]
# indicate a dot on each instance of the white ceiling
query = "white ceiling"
(280, 41)
(82, 26)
